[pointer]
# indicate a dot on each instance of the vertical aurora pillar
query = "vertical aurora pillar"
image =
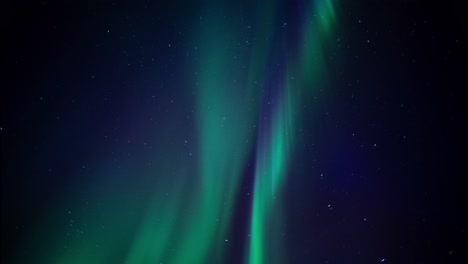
(275, 138)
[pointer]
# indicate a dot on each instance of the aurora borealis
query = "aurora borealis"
(303, 131)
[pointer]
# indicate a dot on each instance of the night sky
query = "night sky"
(243, 132)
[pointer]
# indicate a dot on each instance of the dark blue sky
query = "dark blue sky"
(104, 126)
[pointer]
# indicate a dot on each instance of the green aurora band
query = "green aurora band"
(185, 216)
(274, 149)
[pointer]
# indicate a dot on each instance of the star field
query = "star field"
(319, 131)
